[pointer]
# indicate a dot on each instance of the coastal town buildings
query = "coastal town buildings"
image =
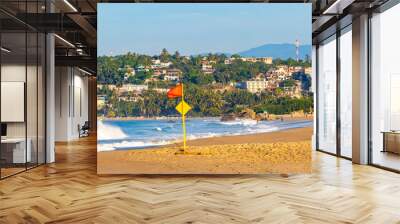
(143, 68)
(282, 69)
(172, 74)
(266, 60)
(207, 68)
(228, 61)
(165, 64)
(169, 74)
(106, 86)
(308, 70)
(221, 88)
(101, 101)
(256, 85)
(294, 91)
(131, 88)
(171, 77)
(261, 82)
(160, 90)
(157, 63)
(129, 72)
(128, 98)
(158, 72)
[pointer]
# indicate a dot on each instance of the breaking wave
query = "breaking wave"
(108, 132)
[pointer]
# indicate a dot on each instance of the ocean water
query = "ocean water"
(136, 134)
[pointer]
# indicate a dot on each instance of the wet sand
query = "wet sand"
(286, 151)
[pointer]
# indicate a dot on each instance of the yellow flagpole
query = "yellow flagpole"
(183, 121)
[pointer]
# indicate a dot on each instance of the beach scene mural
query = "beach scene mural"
(204, 89)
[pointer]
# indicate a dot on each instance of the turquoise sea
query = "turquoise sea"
(137, 134)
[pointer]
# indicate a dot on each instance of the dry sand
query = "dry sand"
(286, 151)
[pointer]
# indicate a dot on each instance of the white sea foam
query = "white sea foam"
(245, 122)
(109, 132)
(130, 145)
(205, 135)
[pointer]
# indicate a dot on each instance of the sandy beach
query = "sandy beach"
(286, 151)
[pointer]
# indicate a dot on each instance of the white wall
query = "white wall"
(80, 109)
(33, 125)
(62, 82)
(14, 73)
(71, 102)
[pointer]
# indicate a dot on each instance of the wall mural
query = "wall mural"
(204, 88)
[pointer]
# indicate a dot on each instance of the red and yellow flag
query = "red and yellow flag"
(182, 108)
(175, 91)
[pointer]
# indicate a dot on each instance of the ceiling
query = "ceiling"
(75, 21)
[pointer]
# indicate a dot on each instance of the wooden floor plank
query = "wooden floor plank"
(70, 191)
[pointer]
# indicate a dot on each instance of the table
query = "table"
(391, 141)
(13, 150)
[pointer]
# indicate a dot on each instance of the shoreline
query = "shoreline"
(285, 117)
(221, 139)
(286, 151)
(286, 135)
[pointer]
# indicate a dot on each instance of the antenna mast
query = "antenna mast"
(297, 50)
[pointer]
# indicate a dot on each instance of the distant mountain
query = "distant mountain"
(282, 51)
(206, 54)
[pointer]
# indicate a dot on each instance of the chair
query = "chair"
(84, 130)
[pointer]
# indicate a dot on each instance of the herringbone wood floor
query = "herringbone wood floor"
(69, 191)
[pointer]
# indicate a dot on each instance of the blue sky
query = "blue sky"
(199, 28)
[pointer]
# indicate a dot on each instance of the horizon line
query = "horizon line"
(225, 53)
